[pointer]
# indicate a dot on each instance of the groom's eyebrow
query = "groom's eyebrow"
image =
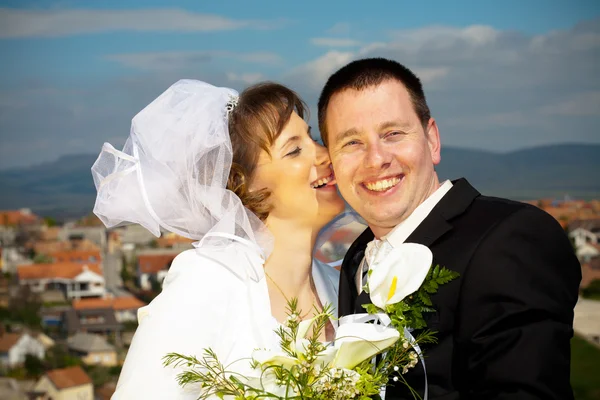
(393, 124)
(347, 133)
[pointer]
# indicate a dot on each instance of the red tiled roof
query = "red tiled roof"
(171, 240)
(8, 340)
(47, 247)
(76, 256)
(117, 303)
(65, 378)
(17, 217)
(55, 270)
(152, 263)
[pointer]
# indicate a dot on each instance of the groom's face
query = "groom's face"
(382, 156)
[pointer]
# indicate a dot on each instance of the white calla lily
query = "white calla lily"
(357, 342)
(270, 357)
(399, 274)
(303, 327)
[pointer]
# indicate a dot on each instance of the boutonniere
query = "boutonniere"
(401, 284)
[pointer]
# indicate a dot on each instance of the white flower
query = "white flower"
(399, 274)
(270, 357)
(357, 342)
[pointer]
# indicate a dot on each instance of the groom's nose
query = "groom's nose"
(376, 155)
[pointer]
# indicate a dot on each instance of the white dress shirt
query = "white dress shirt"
(404, 229)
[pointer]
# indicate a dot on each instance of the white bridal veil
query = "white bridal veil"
(172, 172)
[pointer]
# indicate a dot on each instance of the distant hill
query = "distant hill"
(64, 188)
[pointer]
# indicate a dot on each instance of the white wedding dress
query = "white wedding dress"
(213, 297)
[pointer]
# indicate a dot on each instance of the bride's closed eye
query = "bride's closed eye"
(294, 152)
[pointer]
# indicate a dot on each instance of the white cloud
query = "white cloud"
(443, 37)
(580, 104)
(18, 23)
(246, 78)
(182, 60)
(491, 88)
(428, 75)
(341, 28)
(334, 42)
(314, 73)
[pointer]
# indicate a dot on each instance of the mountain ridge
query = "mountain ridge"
(64, 188)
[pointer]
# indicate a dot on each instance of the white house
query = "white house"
(11, 257)
(76, 280)
(582, 236)
(587, 251)
(154, 264)
(15, 346)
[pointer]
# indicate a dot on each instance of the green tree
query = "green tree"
(58, 356)
(34, 366)
(99, 374)
(156, 286)
(42, 259)
(592, 291)
(25, 307)
(50, 221)
(126, 275)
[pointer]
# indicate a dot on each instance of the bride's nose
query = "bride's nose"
(322, 155)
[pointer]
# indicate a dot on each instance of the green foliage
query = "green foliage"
(50, 221)
(585, 369)
(42, 259)
(592, 291)
(17, 373)
(115, 371)
(34, 366)
(24, 308)
(409, 311)
(58, 356)
(126, 276)
(304, 376)
(130, 326)
(99, 374)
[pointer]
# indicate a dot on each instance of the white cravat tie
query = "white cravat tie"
(375, 252)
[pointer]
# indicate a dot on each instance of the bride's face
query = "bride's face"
(299, 176)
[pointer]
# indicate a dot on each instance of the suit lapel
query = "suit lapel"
(438, 222)
(352, 260)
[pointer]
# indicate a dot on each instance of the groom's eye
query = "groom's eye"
(394, 133)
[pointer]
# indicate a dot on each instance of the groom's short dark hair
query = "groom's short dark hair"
(368, 72)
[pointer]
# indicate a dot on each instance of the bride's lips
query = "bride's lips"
(325, 182)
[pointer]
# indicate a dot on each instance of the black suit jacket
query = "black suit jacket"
(504, 326)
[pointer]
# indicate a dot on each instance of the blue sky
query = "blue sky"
(498, 75)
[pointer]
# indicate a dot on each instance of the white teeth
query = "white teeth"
(321, 182)
(383, 185)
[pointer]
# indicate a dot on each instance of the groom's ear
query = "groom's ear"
(432, 134)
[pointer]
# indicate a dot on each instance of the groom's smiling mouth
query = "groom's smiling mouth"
(383, 185)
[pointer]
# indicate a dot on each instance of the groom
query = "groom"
(504, 326)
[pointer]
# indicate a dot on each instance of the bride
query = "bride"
(242, 175)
